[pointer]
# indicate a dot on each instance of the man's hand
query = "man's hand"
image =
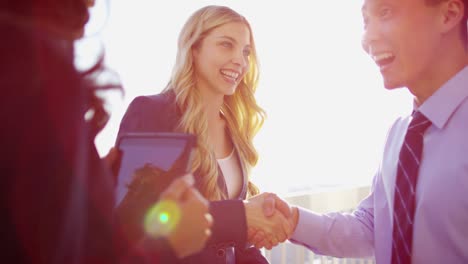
(268, 221)
(273, 205)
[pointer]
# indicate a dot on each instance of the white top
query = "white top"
(232, 174)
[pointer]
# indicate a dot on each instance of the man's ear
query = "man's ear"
(452, 14)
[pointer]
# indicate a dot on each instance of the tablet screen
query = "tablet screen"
(158, 150)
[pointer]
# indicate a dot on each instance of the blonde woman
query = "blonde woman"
(211, 94)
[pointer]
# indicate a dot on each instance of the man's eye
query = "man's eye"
(385, 12)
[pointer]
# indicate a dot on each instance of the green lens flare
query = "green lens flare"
(162, 218)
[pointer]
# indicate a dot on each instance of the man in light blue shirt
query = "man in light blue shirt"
(420, 45)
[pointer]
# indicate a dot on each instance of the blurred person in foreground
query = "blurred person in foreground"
(57, 195)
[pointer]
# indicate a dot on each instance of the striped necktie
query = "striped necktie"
(405, 189)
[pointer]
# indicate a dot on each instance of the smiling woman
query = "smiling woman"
(221, 59)
(211, 95)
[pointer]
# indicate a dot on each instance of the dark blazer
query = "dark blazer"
(158, 113)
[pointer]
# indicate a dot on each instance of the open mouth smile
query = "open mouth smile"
(384, 59)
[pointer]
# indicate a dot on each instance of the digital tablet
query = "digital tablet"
(164, 155)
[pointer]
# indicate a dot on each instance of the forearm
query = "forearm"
(336, 234)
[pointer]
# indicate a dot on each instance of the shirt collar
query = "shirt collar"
(440, 106)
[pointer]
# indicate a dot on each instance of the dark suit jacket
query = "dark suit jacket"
(158, 113)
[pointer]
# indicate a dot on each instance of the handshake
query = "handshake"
(270, 220)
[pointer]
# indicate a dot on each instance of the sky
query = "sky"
(327, 110)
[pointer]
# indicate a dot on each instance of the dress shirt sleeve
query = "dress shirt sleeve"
(338, 234)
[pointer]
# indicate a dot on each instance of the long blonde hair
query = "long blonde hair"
(243, 116)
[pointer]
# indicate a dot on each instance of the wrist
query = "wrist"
(253, 214)
(295, 217)
(176, 246)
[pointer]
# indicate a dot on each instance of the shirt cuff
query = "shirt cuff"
(309, 229)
